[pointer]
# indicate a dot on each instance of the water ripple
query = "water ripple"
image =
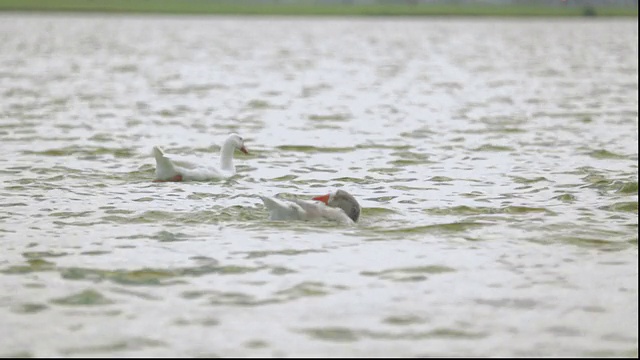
(505, 183)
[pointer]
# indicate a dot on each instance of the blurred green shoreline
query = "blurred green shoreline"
(307, 8)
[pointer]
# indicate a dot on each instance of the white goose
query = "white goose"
(170, 168)
(338, 206)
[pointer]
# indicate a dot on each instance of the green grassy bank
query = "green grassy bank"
(308, 8)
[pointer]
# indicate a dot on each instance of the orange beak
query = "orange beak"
(244, 150)
(323, 198)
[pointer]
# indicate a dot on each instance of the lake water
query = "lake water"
(496, 161)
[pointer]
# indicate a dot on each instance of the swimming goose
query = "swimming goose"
(338, 206)
(170, 168)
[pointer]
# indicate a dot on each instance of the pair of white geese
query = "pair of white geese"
(338, 205)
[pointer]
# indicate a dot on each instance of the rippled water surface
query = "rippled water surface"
(496, 163)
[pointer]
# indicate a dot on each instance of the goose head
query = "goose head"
(237, 142)
(233, 142)
(343, 200)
